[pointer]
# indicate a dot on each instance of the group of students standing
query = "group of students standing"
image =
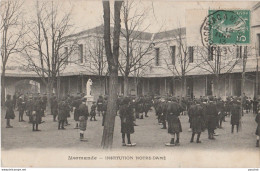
(203, 113)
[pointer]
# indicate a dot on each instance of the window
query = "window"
(157, 56)
(239, 52)
(210, 53)
(173, 49)
(81, 53)
(191, 50)
(66, 53)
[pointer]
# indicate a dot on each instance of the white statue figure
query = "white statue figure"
(88, 87)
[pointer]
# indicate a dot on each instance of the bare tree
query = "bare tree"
(49, 50)
(12, 32)
(179, 57)
(112, 58)
(135, 49)
(218, 60)
(95, 51)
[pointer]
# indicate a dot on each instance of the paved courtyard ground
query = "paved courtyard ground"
(148, 135)
(53, 148)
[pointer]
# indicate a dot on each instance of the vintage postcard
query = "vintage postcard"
(133, 83)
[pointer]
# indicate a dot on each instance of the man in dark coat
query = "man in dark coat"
(30, 108)
(62, 113)
(163, 113)
(54, 108)
(197, 120)
(93, 111)
(37, 115)
(235, 115)
(76, 103)
(9, 111)
(127, 121)
(221, 113)
(21, 108)
(212, 117)
(83, 117)
(173, 111)
(100, 103)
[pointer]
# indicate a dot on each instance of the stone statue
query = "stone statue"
(88, 87)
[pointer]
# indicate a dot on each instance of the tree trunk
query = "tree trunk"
(112, 58)
(184, 86)
(217, 86)
(107, 139)
(126, 87)
(3, 87)
(49, 93)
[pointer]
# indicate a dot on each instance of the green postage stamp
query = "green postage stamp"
(229, 27)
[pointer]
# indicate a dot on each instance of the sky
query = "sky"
(162, 15)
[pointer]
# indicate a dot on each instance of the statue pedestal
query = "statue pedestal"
(89, 101)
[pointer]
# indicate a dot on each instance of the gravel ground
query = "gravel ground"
(148, 135)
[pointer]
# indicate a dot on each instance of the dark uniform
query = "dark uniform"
(76, 103)
(212, 118)
(93, 111)
(62, 114)
(197, 121)
(127, 120)
(100, 103)
(9, 111)
(173, 111)
(21, 108)
(54, 108)
(30, 108)
(221, 113)
(36, 115)
(235, 116)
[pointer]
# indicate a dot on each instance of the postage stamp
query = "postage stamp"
(222, 27)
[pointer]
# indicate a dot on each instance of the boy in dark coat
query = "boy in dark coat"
(76, 104)
(62, 114)
(212, 117)
(21, 108)
(36, 115)
(54, 108)
(100, 103)
(235, 115)
(197, 121)
(127, 121)
(83, 117)
(9, 111)
(173, 111)
(93, 111)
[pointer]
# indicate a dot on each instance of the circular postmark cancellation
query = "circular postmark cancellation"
(226, 27)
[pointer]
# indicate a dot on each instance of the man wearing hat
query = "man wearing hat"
(196, 120)
(127, 121)
(21, 108)
(235, 114)
(173, 111)
(83, 117)
(212, 117)
(9, 111)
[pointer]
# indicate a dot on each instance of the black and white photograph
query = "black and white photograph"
(130, 84)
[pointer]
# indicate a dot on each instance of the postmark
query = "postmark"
(226, 27)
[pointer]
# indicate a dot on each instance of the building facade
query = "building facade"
(166, 62)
